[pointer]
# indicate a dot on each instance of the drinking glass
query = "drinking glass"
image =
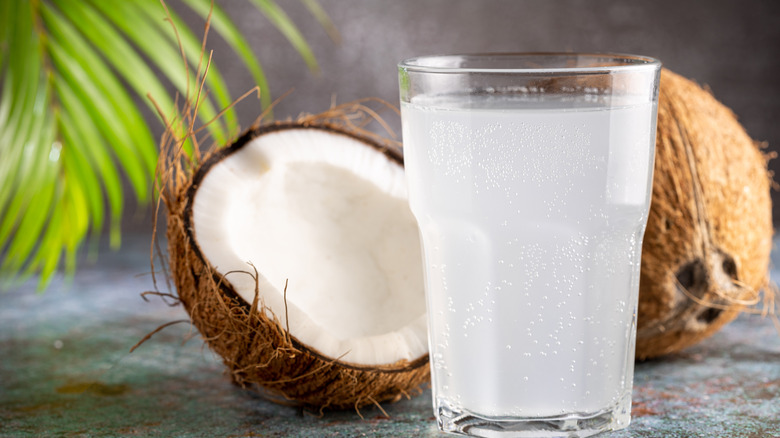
(529, 175)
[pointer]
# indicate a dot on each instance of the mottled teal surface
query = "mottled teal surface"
(66, 370)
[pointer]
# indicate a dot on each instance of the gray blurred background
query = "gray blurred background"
(732, 46)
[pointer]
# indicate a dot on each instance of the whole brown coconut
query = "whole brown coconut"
(709, 233)
(255, 344)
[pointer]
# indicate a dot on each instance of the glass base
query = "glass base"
(573, 425)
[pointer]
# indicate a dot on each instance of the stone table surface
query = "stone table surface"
(66, 370)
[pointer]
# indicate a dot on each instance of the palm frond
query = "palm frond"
(282, 21)
(82, 131)
(323, 18)
(225, 27)
(71, 130)
(111, 106)
(163, 52)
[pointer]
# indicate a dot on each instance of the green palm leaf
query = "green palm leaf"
(285, 25)
(71, 72)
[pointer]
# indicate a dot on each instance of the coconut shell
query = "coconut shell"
(257, 350)
(709, 232)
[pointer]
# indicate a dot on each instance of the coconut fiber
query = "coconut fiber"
(709, 234)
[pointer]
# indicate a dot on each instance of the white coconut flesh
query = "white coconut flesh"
(328, 214)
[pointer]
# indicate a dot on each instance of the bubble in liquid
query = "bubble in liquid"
(508, 347)
(438, 361)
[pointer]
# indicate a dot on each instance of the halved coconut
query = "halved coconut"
(298, 259)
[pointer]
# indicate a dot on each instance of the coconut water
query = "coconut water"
(531, 212)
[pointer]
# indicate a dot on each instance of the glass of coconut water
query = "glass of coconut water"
(529, 176)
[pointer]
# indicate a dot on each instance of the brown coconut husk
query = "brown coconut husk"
(709, 232)
(258, 351)
(254, 344)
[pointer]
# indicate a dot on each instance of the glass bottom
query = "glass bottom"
(572, 425)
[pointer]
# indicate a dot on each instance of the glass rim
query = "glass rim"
(623, 62)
